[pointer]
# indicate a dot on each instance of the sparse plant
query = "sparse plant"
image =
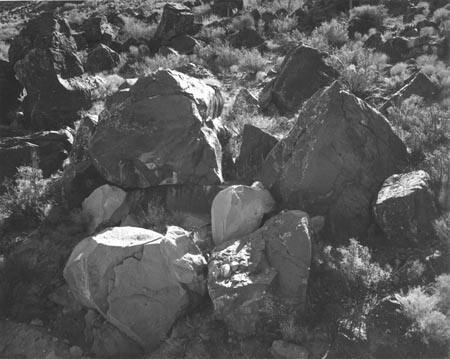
(134, 28)
(366, 17)
(329, 34)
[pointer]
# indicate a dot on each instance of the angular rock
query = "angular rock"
(256, 145)
(246, 37)
(227, 7)
(156, 135)
(239, 280)
(285, 350)
(102, 58)
(100, 206)
(97, 29)
(83, 135)
(334, 161)
(302, 73)
(176, 20)
(396, 48)
(245, 103)
(10, 90)
(184, 44)
(419, 85)
(139, 280)
(196, 71)
(238, 210)
(405, 209)
(374, 41)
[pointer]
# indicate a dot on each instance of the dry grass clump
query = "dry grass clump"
(143, 66)
(136, 29)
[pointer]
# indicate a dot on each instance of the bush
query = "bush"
(143, 66)
(366, 17)
(29, 198)
(134, 28)
(429, 310)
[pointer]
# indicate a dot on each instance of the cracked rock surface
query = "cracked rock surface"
(334, 161)
(139, 280)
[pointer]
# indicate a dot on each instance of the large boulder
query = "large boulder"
(10, 90)
(140, 281)
(46, 150)
(256, 145)
(302, 73)
(176, 20)
(238, 210)
(100, 206)
(405, 209)
(334, 161)
(418, 85)
(245, 274)
(157, 134)
(102, 58)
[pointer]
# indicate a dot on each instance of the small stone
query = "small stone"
(75, 351)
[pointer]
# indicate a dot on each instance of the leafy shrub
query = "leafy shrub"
(429, 310)
(366, 17)
(28, 199)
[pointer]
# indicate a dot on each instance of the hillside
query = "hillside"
(225, 179)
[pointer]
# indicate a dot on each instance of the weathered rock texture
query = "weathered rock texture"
(10, 90)
(238, 210)
(102, 58)
(334, 161)
(139, 280)
(404, 208)
(242, 272)
(176, 20)
(157, 134)
(302, 73)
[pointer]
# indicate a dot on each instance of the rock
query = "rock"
(334, 160)
(196, 71)
(238, 210)
(419, 85)
(184, 44)
(139, 280)
(239, 299)
(18, 340)
(10, 90)
(97, 29)
(46, 150)
(246, 37)
(396, 48)
(75, 351)
(83, 135)
(102, 58)
(227, 7)
(302, 73)
(80, 40)
(374, 41)
(106, 341)
(256, 145)
(288, 249)
(167, 51)
(405, 209)
(284, 350)
(101, 205)
(133, 150)
(176, 20)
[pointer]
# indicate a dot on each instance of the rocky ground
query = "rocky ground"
(225, 179)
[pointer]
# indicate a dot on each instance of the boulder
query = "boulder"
(196, 71)
(101, 205)
(176, 20)
(83, 135)
(244, 274)
(10, 90)
(256, 145)
(184, 44)
(101, 58)
(140, 281)
(238, 210)
(419, 85)
(334, 161)
(246, 37)
(46, 150)
(374, 41)
(285, 350)
(405, 209)
(302, 73)
(157, 134)
(245, 103)
(396, 48)
(97, 29)
(227, 7)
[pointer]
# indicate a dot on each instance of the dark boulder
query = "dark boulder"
(97, 29)
(184, 44)
(396, 48)
(246, 37)
(102, 58)
(176, 20)
(334, 161)
(10, 90)
(227, 7)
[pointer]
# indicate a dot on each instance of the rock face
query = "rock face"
(334, 161)
(102, 58)
(157, 134)
(302, 73)
(46, 150)
(10, 90)
(238, 210)
(176, 20)
(256, 145)
(101, 205)
(243, 272)
(404, 208)
(419, 85)
(139, 280)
